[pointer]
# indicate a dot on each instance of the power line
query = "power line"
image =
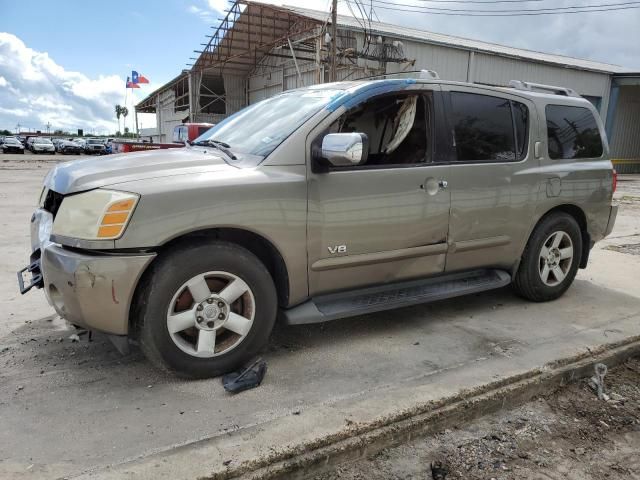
(511, 13)
(519, 10)
(480, 1)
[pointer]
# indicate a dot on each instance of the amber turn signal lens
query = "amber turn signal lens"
(110, 231)
(122, 206)
(116, 218)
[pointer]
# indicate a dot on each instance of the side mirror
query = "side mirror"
(345, 149)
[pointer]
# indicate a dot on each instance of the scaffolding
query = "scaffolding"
(259, 50)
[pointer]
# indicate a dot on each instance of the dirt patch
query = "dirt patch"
(568, 434)
(631, 249)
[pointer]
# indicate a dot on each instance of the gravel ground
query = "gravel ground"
(568, 434)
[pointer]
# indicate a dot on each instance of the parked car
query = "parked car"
(12, 145)
(363, 196)
(28, 140)
(188, 132)
(41, 145)
(67, 147)
(94, 145)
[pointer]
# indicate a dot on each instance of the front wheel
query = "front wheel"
(551, 258)
(206, 309)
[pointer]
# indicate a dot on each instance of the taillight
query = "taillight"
(615, 180)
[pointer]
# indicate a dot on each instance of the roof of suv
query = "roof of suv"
(352, 89)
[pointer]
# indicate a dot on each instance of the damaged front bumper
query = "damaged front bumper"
(92, 289)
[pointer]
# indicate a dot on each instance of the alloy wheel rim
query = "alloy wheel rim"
(211, 314)
(555, 259)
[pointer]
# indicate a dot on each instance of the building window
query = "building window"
(572, 133)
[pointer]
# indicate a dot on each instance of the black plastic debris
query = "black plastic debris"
(439, 471)
(245, 379)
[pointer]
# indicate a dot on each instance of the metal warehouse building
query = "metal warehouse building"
(259, 50)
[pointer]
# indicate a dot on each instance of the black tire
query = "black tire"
(528, 281)
(168, 273)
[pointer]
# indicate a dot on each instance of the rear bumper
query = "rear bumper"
(93, 290)
(613, 214)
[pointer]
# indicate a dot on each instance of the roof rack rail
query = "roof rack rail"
(530, 86)
(429, 74)
(422, 74)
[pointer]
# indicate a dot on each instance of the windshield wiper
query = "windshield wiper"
(223, 147)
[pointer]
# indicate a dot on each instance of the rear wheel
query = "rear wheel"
(206, 310)
(551, 258)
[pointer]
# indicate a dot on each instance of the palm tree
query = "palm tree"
(124, 111)
(118, 113)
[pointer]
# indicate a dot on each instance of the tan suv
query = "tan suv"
(323, 203)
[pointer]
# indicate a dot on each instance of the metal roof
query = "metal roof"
(414, 34)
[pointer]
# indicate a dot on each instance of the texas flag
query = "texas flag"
(137, 78)
(131, 84)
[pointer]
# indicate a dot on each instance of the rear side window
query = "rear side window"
(572, 133)
(487, 128)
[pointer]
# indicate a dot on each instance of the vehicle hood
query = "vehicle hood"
(81, 175)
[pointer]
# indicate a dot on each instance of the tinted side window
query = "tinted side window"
(483, 127)
(521, 122)
(572, 133)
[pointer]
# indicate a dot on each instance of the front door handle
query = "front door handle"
(432, 186)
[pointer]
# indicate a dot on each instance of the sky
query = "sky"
(65, 62)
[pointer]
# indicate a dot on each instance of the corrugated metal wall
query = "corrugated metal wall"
(450, 63)
(265, 85)
(625, 141)
(497, 70)
(234, 90)
(168, 118)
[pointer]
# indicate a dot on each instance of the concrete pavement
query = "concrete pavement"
(80, 409)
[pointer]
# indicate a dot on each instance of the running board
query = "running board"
(386, 297)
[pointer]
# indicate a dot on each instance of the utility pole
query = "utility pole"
(334, 34)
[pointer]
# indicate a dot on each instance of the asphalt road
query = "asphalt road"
(71, 407)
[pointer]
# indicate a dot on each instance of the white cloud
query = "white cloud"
(35, 90)
(204, 14)
(218, 5)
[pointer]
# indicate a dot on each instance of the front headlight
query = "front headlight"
(95, 215)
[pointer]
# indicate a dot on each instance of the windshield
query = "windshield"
(260, 128)
(44, 141)
(11, 140)
(94, 141)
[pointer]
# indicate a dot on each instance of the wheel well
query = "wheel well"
(256, 244)
(581, 218)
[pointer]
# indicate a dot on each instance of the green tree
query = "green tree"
(118, 109)
(125, 112)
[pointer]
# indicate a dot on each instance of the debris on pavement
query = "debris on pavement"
(245, 379)
(566, 434)
(74, 337)
(597, 381)
(439, 471)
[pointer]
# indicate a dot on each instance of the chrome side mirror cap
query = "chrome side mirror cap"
(345, 149)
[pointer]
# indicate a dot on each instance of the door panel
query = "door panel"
(392, 224)
(492, 199)
(388, 219)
